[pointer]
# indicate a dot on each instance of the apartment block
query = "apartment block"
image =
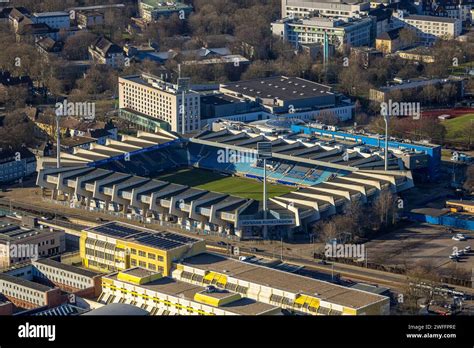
(16, 164)
(55, 20)
(151, 10)
(309, 8)
(429, 28)
(68, 278)
(160, 100)
(27, 294)
(340, 32)
(414, 86)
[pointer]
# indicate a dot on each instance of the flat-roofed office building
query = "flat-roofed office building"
(278, 288)
(116, 246)
(21, 242)
(167, 296)
(27, 294)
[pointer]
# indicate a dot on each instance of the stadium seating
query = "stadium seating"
(157, 161)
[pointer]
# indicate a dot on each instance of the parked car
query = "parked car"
(454, 258)
(459, 237)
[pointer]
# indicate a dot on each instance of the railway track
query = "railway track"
(347, 272)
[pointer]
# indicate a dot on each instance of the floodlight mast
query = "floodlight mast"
(58, 142)
(264, 151)
(386, 142)
(265, 230)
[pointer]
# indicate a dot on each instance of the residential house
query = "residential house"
(48, 46)
(18, 16)
(389, 41)
(89, 19)
(103, 51)
(31, 33)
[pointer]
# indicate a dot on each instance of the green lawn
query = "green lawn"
(236, 186)
(461, 69)
(458, 128)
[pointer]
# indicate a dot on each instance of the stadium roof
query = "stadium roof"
(114, 149)
(305, 150)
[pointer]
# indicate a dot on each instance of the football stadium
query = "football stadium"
(212, 182)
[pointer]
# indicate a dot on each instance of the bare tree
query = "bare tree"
(469, 182)
(384, 209)
(327, 117)
(422, 279)
(408, 37)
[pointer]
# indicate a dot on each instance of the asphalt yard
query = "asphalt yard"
(420, 243)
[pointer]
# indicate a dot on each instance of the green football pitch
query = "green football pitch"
(236, 186)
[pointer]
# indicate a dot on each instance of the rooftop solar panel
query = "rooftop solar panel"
(178, 238)
(109, 232)
(163, 240)
(116, 230)
(7, 229)
(158, 242)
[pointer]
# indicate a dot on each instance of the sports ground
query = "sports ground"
(236, 186)
(460, 128)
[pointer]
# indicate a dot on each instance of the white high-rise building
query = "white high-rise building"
(327, 8)
(150, 96)
(340, 32)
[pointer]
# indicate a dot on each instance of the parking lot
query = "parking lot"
(422, 243)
